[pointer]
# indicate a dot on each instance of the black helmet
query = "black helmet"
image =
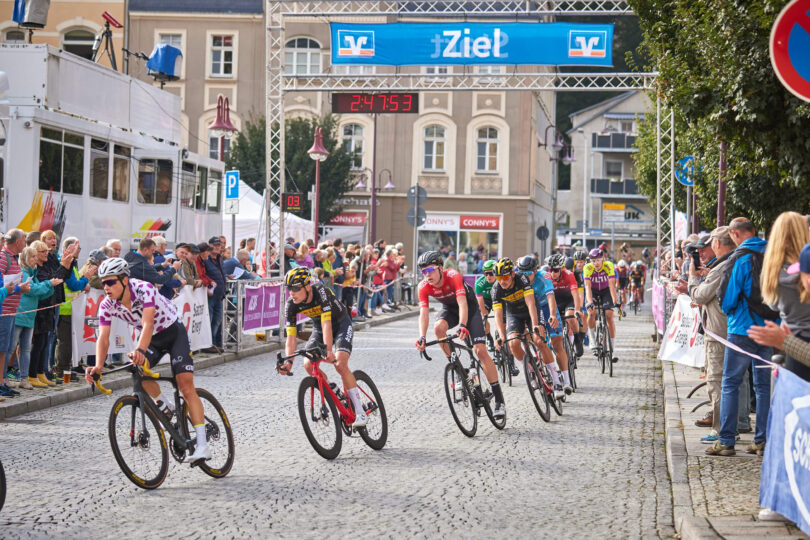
(645, 252)
(504, 267)
(527, 263)
(429, 258)
(556, 261)
(569, 263)
(580, 256)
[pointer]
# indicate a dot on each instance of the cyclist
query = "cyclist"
(332, 326)
(459, 308)
(643, 269)
(547, 308)
(622, 272)
(600, 286)
(139, 304)
(483, 294)
(568, 301)
(636, 280)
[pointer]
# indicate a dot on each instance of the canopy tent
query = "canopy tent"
(250, 221)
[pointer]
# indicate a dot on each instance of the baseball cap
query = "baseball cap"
(214, 241)
(704, 240)
(720, 232)
(289, 246)
(97, 256)
(296, 245)
(202, 246)
(804, 259)
(194, 249)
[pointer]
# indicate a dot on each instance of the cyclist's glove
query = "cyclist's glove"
(589, 306)
(421, 341)
(463, 333)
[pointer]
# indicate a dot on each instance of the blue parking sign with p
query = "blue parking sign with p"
(232, 185)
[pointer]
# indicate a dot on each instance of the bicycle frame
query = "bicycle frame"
(455, 357)
(524, 339)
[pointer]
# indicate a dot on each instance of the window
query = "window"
(487, 150)
(478, 242)
(188, 184)
(302, 56)
(202, 187)
(222, 56)
(490, 70)
(121, 162)
(154, 181)
(626, 126)
(175, 40)
(353, 142)
(61, 161)
(437, 70)
(15, 37)
(613, 169)
(99, 168)
(444, 241)
(434, 148)
(79, 42)
(214, 190)
(213, 147)
(353, 70)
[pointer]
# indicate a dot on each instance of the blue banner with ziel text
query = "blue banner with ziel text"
(432, 44)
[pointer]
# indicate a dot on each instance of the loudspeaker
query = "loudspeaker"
(31, 13)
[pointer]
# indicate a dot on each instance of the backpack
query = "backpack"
(755, 303)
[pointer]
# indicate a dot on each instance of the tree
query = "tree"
(715, 71)
(249, 150)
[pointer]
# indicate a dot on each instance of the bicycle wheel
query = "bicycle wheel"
(138, 443)
(556, 404)
(488, 398)
(500, 363)
(508, 362)
(609, 354)
(461, 402)
(599, 356)
(2, 486)
(572, 361)
(217, 432)
(535, 384)
(375, 434)
(320, 419)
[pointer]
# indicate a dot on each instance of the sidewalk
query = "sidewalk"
(39, 399)
(713, 497)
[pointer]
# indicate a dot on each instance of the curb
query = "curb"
(75, 392)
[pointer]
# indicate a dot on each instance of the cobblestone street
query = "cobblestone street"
(599, 471)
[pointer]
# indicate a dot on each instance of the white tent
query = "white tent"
(250, 221)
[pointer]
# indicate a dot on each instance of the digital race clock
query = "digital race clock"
(375, 103)
(292, 202)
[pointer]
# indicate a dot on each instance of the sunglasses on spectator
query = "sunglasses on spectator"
(489, 273)
(109, 282)
(428, 270)
(295, 288)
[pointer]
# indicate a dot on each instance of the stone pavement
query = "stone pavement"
(597, 471)
(713, 497)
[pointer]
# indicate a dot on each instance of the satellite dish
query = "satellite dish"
(163, 63)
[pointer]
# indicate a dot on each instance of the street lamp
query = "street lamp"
(318, 153)
(222, 125)
(558, 144)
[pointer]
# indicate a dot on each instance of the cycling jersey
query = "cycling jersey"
(143, 295)
(599, 279)
(580, 279)
(483, 289)
(323, 306)
(543, 288)
(636, 276)
(513, 297)
(621, 271)
(452, 287)
(564, 289)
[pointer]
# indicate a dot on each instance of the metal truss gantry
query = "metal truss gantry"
(665, 181)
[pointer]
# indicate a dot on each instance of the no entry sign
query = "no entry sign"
(790, 48)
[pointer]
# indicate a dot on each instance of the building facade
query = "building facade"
(603, 188)
(223, 54)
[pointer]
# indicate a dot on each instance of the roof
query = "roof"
(198, 6)
(603, 106)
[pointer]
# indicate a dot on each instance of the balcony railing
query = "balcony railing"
(616, 142)
(606, 186)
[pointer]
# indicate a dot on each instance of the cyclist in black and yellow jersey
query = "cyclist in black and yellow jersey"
(600, 286)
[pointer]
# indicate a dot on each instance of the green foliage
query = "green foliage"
(249, 150)
(715, 71)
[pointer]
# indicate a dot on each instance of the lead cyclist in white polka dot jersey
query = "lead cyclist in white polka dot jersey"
(138, 304)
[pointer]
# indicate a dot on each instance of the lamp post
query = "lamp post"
(222, 126)
(558, 144)
(318, 153)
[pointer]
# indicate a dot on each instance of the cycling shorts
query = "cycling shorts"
(564, 304)
(342, 334)
(604, 298)
(475, 324)
(174, 342)
(623, 282)
(637, 282)
(488, 303)
(552, 332)
(517, 323)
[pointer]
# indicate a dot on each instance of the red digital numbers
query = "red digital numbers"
(374, 103)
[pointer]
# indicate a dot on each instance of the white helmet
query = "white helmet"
(622, 263)
(115, 266)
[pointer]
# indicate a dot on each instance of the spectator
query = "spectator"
(10, 270)
(375, 303)
(93, 260)
(226, 253)
(364, 276)
(338, 267)
(734, 293)
(199, 262)
(115, 246)
(141, 268)
(32, 373)
(237, 267)
(160, 253)
(187, 254)
(703, 285)
(450, 261)
(32, 237)
(780, 280)
(213, 267)
(303, 257)
(75, 283)
(463, 264)
(289, 258)
(389, 266)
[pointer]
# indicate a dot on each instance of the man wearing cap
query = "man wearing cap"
(714, 250)
(213, 267)
(186, 254)
(95, 258)
(199, 264)
(289, 258)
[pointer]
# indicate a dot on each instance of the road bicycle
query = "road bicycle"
(604, 347)
(326, 412)
(502, 357)
(467, 389)
(138, 427)
(538, 378)
(634, 299)
(569, 349)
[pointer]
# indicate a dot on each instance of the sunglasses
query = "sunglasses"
(553, 270)
(489, 273)
(295, 288)
(429, 270)
(109, 282)
(504, 278)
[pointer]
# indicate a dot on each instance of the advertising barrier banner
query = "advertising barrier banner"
(431, 44)
(785, 484)
(682, 342)
(658, 300)
(192, 310)
(262, 309)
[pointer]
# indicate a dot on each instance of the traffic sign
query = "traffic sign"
(231, 184)
(422, 217)
(595, 232)
(542, 233)
(412, 195)
(685, 172)
(613, 213)
(789, 43)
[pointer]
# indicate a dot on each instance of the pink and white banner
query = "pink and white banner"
(683, 343)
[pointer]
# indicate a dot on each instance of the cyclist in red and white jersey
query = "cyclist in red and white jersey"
(459, 308)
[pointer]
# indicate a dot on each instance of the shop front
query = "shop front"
(477, 235)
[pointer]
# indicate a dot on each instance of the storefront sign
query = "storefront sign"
(430, 44)
(350, 219)
(441, 222)
(486, 223)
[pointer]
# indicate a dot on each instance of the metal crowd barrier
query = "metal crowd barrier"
(233, 306)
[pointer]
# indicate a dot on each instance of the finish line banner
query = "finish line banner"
(785, 485)
(431, 44)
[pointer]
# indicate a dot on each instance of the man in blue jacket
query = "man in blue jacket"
(141, 268)
(735, 305)
(213, 267)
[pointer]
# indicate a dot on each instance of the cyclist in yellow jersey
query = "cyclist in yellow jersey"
(600, 286)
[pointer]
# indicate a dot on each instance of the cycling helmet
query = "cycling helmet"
(557, 261)
(569, 263)
(113, 267)
(580, 256)
(429, 258)
(504, 267)
(545, 269)
(622, 263)
(639, 263)
(595, 253)
(547, 260)
(527, 263)
(489, 266)
(298, 276)
(603, 246)
(645, 252)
